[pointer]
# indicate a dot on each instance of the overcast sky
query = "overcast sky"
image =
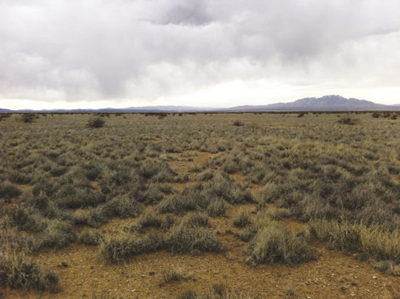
(121, 53)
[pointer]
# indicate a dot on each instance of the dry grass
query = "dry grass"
(274, 244)
(338, 172)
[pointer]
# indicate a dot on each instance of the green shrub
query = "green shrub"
(71, 197)
(80, 217)
(274, 244)
(152, 195)
(178, 204)
(374, 241)
(91, 237)
(247, 234)
(18, 177)
(58, 234)
(92, 172)
(169, 221)
(150, 219)
(172, 275)
(95, 122)
(121, 206)
(238, 123)
(196, 220)
(181, 239)
(376, 115)
(217, 208)
(28, 117)
(9, 191)
(387, 267)
(348, 121)
(157, 172)
(223, 187)
(18, 272)
(118, 249)
(188, 294)
(242, 220)
(206, 176)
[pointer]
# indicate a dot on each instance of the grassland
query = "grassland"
(200, 206)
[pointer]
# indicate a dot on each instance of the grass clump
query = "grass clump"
(118, 249)
(58, 234)
(217, 208)
(216, 291)
(19, 272)
(172, 275)
(188, 294)
(387, 267)
(150, 219)
(242, 220)
(374, 241)
(28, 117)
(274, 244)
(348, 121)
(198, 220)
(182, 239)
(238, 123)
(9, 191)
(95, 123)
(121, 206)
(91, 237)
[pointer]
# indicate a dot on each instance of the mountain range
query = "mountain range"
(325, 103)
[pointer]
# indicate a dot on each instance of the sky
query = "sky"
(206, 53)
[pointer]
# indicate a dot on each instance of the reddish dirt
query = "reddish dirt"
(333, 275)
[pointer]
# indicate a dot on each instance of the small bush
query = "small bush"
(95, 122)
(206, 176)
(18, 272)
(374, 241)
(19, 177)
(387, 267)
(188, 294)
(247, 234)
(91, 237)
(118, 249)
(121, 206)
(274, 244)
(9, 191)
(58, 234)
(80, 217)
(172, 275)
(169, 221)
(348, 121)
(182, 239)
(242, 220)
(197, 220)
(217, 208)
(301, 114)
(238, 123)
(150, 219)
(222, 291)
(376, 115)
(28, 117)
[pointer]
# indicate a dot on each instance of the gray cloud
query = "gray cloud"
(120, 49)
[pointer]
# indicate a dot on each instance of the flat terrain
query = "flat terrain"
(209, 205)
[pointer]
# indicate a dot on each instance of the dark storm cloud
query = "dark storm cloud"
(122, 49)
(184, 12)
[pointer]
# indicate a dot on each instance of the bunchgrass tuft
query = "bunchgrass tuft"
(274, 244)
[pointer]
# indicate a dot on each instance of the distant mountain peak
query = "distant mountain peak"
(325, 103)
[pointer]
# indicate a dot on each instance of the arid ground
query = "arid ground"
(254, 205)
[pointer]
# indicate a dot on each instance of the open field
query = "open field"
(200, 206)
